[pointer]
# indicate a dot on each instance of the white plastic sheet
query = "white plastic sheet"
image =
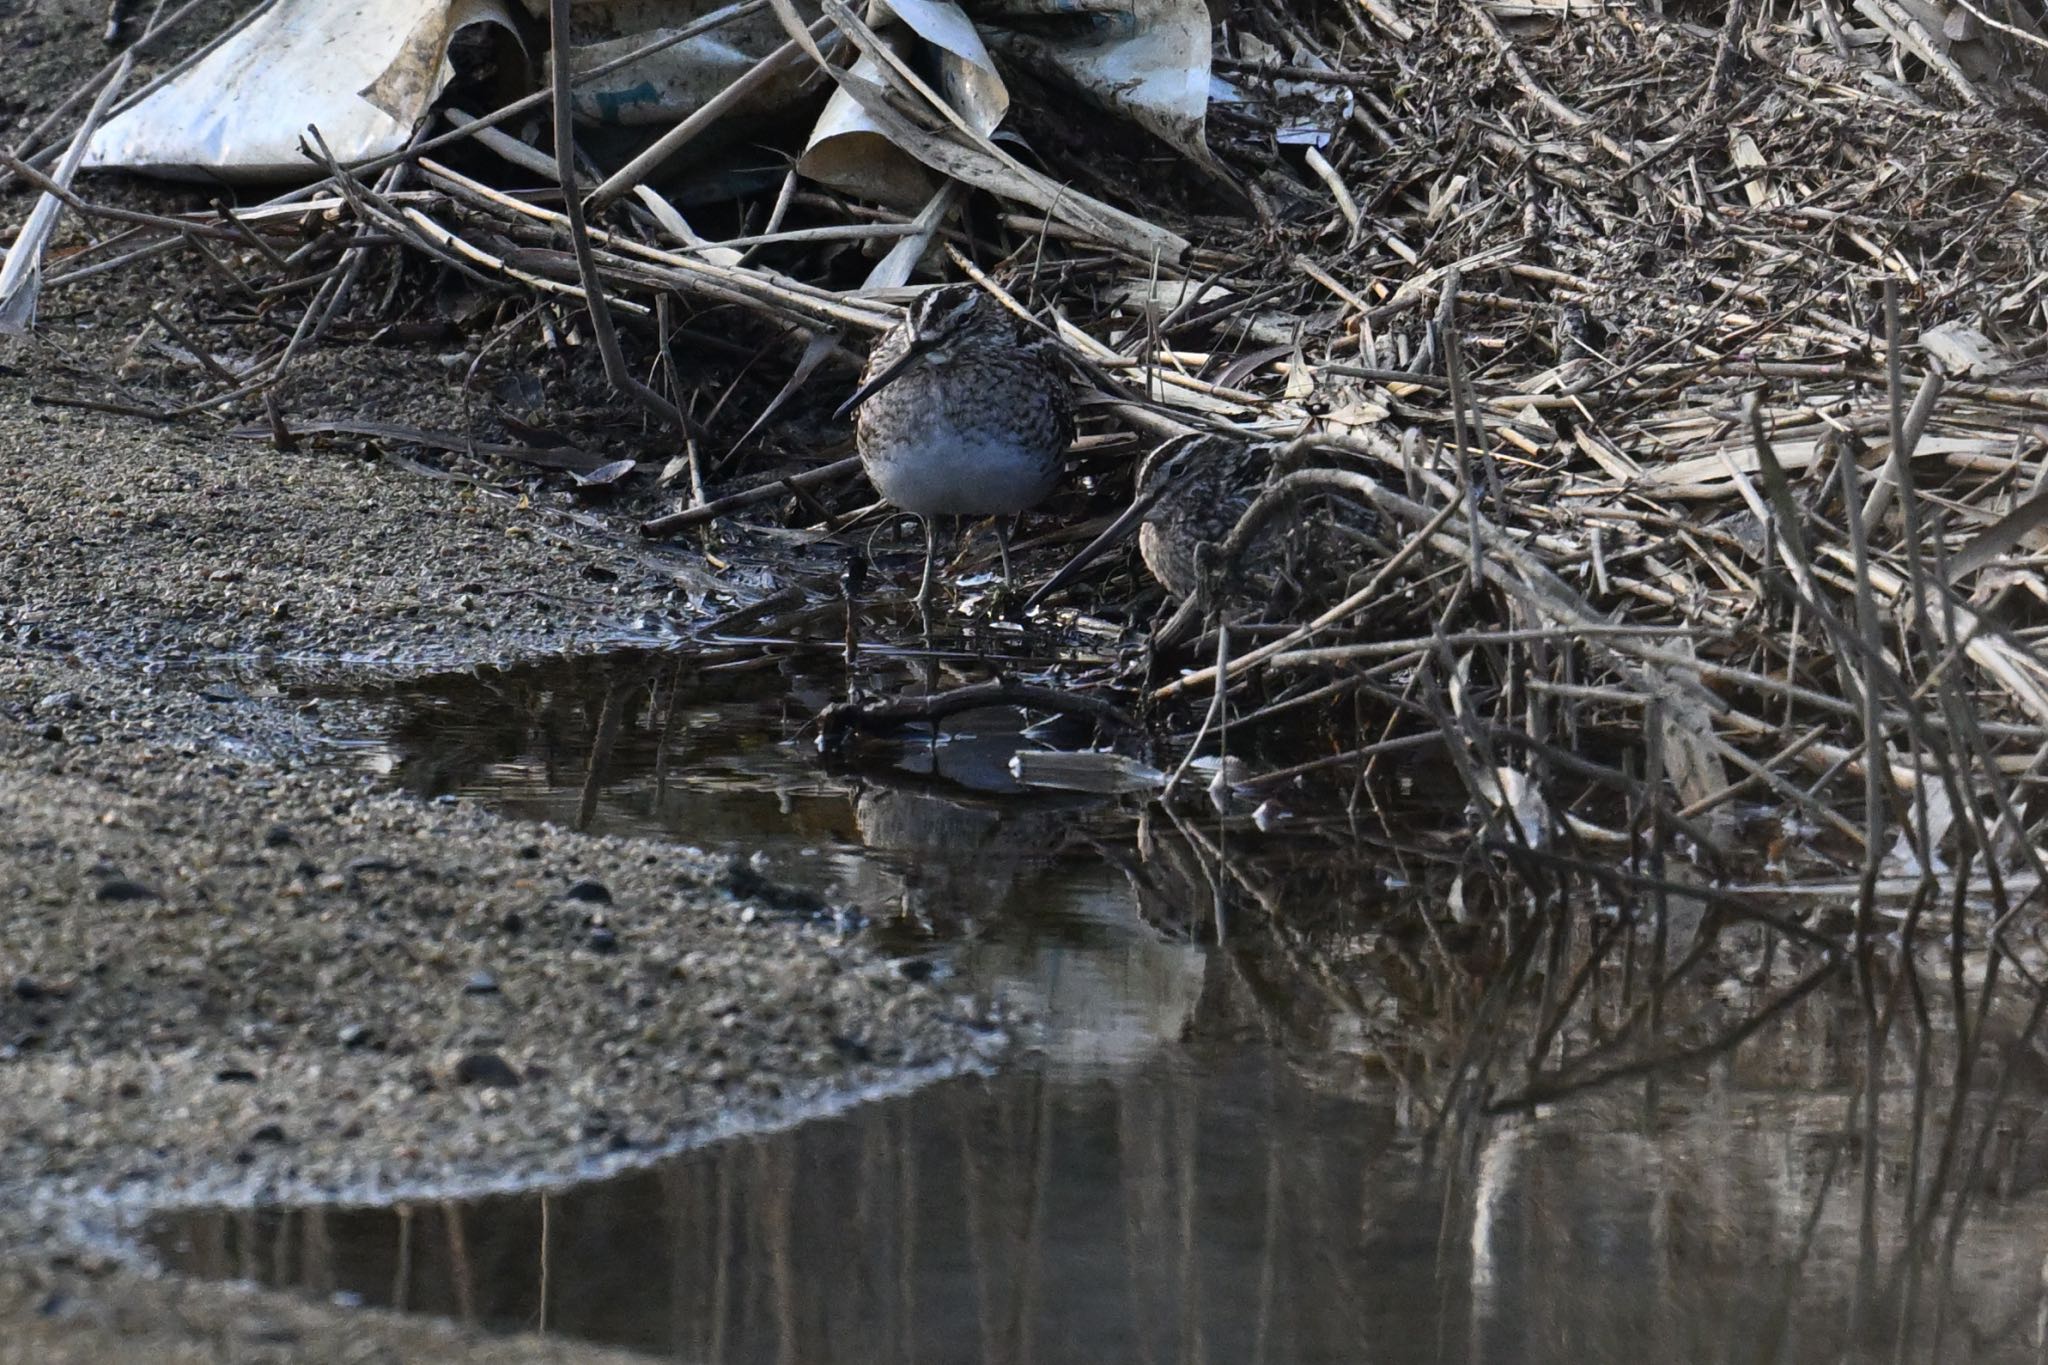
(365, 71)
(668, 86)
(361, 71)
(1147, 60)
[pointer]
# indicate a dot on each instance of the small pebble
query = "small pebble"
(480, 983)
(126, 889)
(603, 940)
(485, 1068)
(278, 836)
(590, 891)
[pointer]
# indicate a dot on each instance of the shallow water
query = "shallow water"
(1225, 1151)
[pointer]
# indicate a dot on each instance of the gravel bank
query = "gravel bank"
(226, 973)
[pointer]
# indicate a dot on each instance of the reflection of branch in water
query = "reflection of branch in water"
(723, 1252)
(1544, 1089)
(1035, 1249)
(546, 1261)
(1269, 1248)
(776, 1181)
(1141, 1179)
(1584, 1000)
(665, 745)
(606, 740)
(401, 1278)
(462, 1273)
(319, 1254)
(906, 1276)
(1972, 1176)
(974, 1204)
(682, 1240)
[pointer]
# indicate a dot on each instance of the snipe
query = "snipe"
(962, 412)
(1191, 493)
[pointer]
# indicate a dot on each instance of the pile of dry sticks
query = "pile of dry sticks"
(1691, 365)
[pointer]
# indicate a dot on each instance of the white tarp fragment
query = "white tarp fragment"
(362, 72)
(365, 72)
(1145, 60)
(666, 87)
(21, 272)
(850, 152)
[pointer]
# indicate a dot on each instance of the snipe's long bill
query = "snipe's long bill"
(962, 412)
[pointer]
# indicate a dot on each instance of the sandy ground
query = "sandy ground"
(226, 973)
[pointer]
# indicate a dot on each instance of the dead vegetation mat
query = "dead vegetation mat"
(1689, 365)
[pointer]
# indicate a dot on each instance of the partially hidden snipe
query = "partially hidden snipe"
(1190, 494)
(962, 411)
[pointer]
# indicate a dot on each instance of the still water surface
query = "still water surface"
(1224, 1151)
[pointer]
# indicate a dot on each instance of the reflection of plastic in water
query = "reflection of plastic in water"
(1103, 1006)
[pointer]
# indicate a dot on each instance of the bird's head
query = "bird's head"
(941, 323)
(956, 314)
(1173, 462)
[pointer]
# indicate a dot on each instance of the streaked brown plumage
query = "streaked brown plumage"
(1198, 489)
(962, 411)
(1191, 493)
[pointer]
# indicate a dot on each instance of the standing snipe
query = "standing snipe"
(962, 412)
(1191, 493)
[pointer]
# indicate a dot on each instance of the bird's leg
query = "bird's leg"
(924, 587)
(1003, 548)
(850, 585)
(1219, 708)
(1003, 603)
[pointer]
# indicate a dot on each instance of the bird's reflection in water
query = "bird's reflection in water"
(1013, 881)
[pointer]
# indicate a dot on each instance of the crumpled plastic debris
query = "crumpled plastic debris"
(365, 73)
(665, 87)
(362, 73)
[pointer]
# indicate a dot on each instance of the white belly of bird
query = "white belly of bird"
(948, 471)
